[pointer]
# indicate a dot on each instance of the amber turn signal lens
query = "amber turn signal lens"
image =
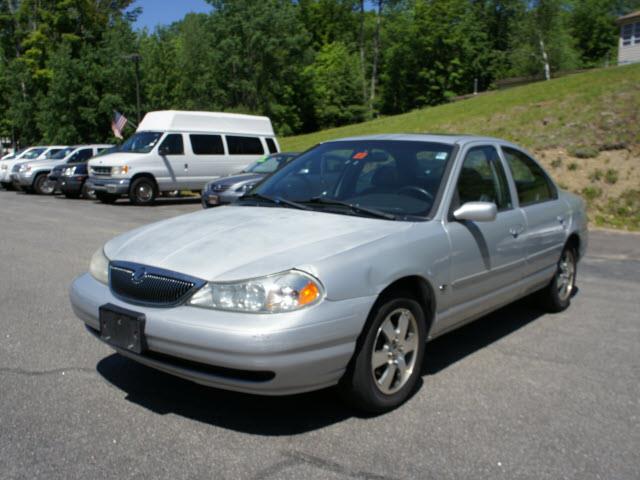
(308, 294)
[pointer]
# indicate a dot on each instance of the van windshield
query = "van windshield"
(141, 142)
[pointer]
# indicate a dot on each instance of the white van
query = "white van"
(179, 150)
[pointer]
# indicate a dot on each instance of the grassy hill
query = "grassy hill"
(584, 127)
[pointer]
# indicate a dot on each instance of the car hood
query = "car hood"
(116, 158)
(238, 242)
(238, 179)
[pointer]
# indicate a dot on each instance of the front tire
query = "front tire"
(87, 192)
(42, 185)
(142, 191)
(386, 365)
(557, 295)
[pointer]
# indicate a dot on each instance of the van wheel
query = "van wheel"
(107, 197)
(386, 366)
(142, 191)
(557, 295)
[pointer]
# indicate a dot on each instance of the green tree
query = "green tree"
(334, 79)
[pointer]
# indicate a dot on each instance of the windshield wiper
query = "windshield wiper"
(275, 200)
(353, 207)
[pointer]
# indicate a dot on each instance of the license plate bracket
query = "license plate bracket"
(122, 328)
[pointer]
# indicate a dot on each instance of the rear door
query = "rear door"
(546, 215)
(486, 257)
(207, 159)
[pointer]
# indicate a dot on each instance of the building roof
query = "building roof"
(218, 122)
(628, 16)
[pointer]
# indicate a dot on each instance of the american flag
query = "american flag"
(118, 123)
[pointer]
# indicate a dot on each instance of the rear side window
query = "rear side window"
(172, 145)
(207, 144)
(532, 183)
(271, 145)
(244, 145)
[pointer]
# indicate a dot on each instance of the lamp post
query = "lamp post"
(135, 57)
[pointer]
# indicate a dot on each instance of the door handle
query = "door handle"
(516, 231)
(560, 219)
(186, 166)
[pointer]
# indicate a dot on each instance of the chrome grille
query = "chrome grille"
(101, 171)
(151, 286)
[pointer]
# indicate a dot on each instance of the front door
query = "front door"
(486, 257)
(171, 152)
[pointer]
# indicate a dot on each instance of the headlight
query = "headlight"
(69, 171)
(246, 187)
(99, 266)
(24, 168)
(121, 170)
(282, 292)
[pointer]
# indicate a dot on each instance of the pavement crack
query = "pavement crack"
(37, 373)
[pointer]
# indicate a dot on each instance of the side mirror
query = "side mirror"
(477, 212)
(163, 149)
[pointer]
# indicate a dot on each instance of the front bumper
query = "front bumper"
(22, 179)
(71, 184)
(116, 186)
(306, 350)
(213, 199)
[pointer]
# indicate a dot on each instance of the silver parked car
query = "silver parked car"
(224, 190)
(338, 267)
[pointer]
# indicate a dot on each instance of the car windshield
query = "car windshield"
(34, 153)
(392, 179)
(52, 152)
(62, 153)
(268, 164)
(141, 142)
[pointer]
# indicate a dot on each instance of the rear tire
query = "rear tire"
(142, 191)
(557, 295)
(107, 198)
(42, 185)
(386, 366)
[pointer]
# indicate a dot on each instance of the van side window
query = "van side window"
(206, 144)
(172, 145)
(532, 183)
(271, 145)
(244, 145)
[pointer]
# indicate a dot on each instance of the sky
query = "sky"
(164, 12)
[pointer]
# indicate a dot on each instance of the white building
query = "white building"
(629, 43)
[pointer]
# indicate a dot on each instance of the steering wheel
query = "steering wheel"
(412, 190)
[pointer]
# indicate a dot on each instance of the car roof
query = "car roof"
(446, 138)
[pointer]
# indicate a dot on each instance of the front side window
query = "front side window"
(141, 142)
(172, 145)
(244, 145)
(482, 179)
(81, 155)
(385, 176)
(206, 144)
(271, 145)
(532, 183)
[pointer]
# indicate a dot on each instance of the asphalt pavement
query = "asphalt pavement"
(517, 394)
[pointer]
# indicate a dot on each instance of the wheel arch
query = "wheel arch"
(145, 175)
(573, 241)
(421, 290)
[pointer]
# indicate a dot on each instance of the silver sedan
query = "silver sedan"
(339, 267)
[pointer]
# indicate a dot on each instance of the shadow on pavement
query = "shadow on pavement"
(293, 414)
